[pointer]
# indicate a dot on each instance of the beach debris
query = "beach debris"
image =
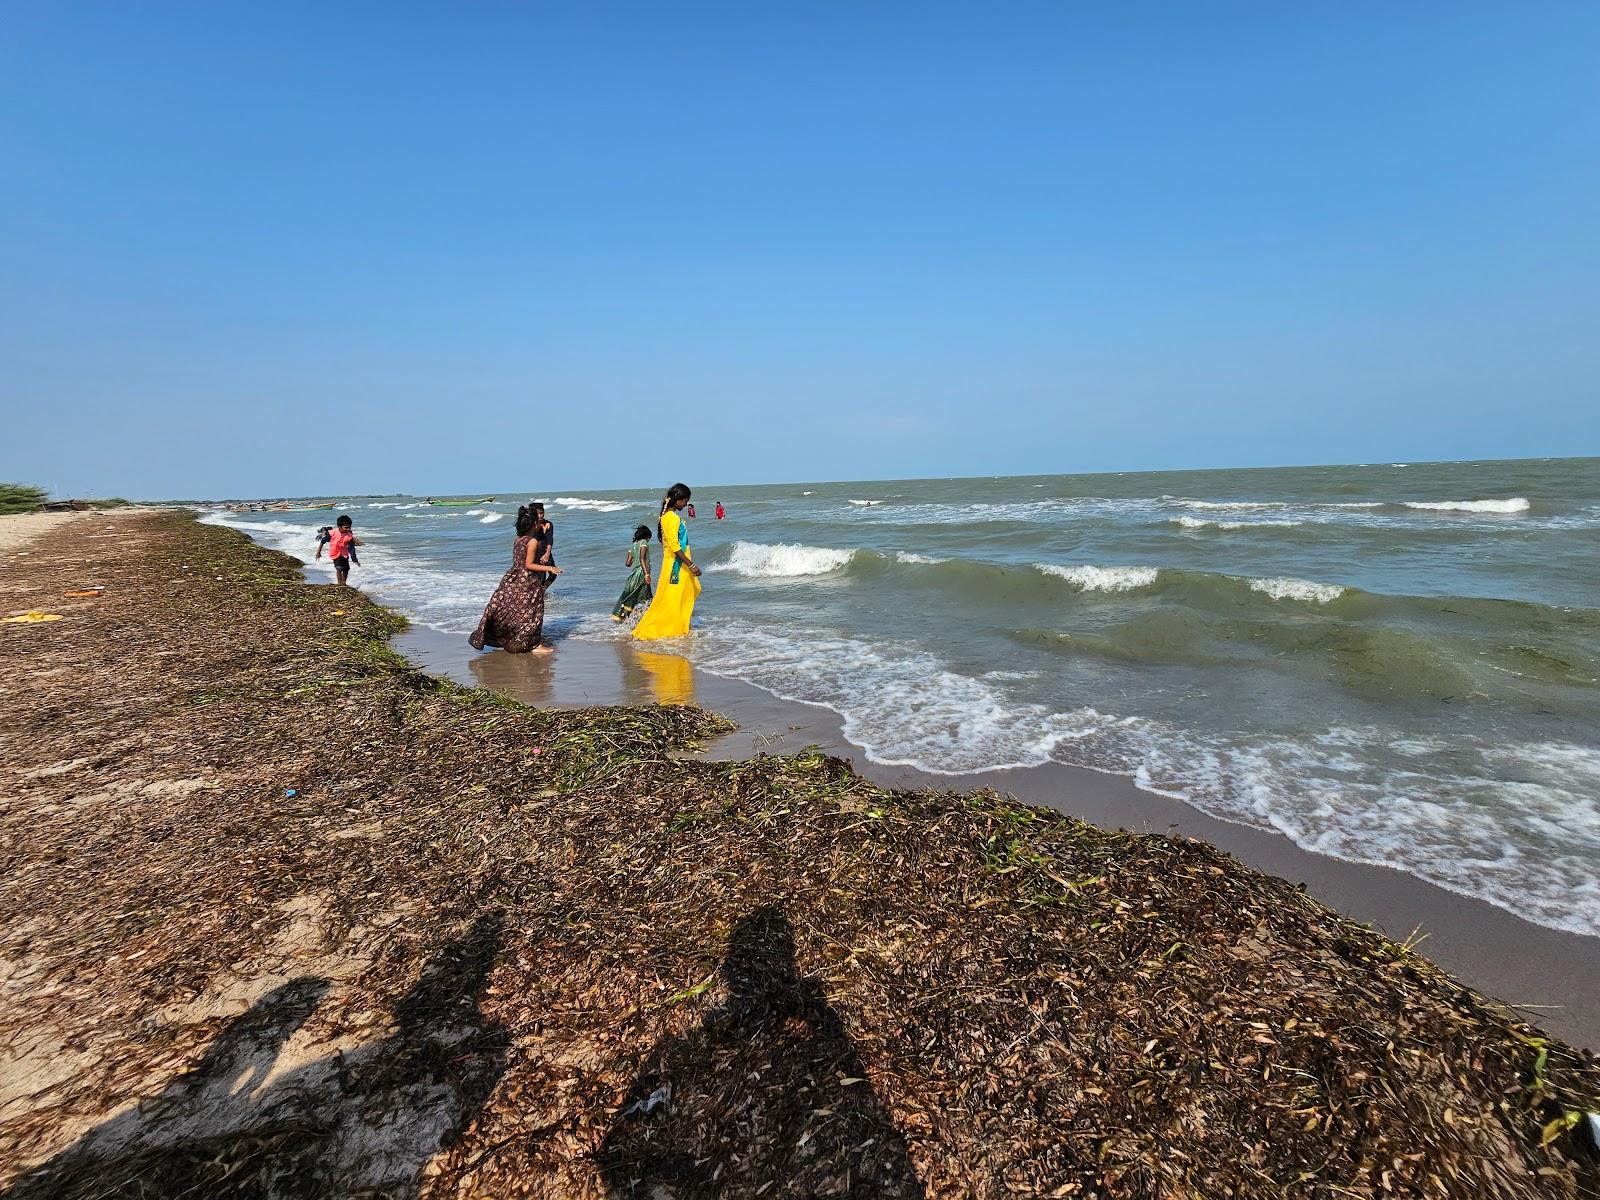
(31, 617)
(660, 1096)
(290, 792)
(78, 593)
(1003, 999)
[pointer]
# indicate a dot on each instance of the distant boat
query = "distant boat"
(456, 503)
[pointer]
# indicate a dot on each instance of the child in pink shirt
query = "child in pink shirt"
(341, 543)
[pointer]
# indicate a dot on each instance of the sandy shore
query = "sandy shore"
(282, 915)
(19, 529)
(1551, 975)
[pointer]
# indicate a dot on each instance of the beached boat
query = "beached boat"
(460, 503)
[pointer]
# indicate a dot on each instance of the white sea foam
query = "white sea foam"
(1102, 579)
(1202, 523)
(578, 502)
(903, 706)
(1516, 504)
(866, 503)
(445, 600)
(906, 556)
(1229, 505)
(755, 560)
(1285, 588)
(491, 518)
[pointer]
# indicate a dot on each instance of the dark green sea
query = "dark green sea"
(1389, 663)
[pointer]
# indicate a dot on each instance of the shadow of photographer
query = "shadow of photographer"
(766, 1096)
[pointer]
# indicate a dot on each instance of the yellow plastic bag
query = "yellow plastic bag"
(28, 618)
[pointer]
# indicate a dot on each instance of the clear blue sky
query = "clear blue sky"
(332, 248)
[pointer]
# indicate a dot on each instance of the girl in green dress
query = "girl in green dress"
(637, 589)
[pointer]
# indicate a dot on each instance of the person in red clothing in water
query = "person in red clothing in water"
(341, 542)
(721, 512)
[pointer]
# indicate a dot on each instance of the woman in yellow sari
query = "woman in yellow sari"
(679, 583)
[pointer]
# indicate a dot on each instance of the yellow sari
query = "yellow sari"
(676, 587)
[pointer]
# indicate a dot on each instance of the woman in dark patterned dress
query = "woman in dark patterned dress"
(514, 618)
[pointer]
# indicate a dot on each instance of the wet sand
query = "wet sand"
(1551, 976)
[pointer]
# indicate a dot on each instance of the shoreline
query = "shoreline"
(280, 906)
(1551, 975)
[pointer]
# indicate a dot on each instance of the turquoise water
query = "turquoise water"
(1391, 663)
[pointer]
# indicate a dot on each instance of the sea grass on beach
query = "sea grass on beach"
(280, 915)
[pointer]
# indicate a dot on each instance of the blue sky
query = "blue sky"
(276, 249)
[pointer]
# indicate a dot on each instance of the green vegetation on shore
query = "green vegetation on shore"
(530, 952)
(20, 498)
(24, 498)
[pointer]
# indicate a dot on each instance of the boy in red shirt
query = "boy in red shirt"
(341, 543)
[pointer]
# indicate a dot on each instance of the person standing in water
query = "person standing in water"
(721, 512)
(340, 542)
(514, 616)
(638, 588)
(547, 533)
(673, 606)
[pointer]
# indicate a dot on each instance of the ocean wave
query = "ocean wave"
(579, 503)
(447, 600)
(1202, 523)
(490, 518)
(1102, 579)
(755, 560)
(910, 559)
(1517, 504)
(903, 706)
(1358, 794)
(866, 503)
(1285, 588)
(1227, 505)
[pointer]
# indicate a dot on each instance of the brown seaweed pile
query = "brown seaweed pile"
(280, 916)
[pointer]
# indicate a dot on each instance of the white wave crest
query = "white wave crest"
(1516, 504)
(490, 518)
(578, 502)
(1102, 579)
(907, 556)
(1230, 505)
(866, 503)
(1201, 523)
(755, 560)
(1285, 588)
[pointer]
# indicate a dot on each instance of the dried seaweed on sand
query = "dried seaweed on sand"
(282, 916)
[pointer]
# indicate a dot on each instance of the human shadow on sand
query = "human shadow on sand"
(766, 1097)
(241, 1123)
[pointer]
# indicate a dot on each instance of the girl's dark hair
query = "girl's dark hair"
(528, 517)
(678, 491)
(343, 520)
(642, 534)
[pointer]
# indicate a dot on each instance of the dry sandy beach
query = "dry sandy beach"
(281, 915)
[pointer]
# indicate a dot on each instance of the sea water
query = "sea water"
(1387, 663)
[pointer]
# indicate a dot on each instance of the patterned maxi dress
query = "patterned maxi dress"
(514, 617)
